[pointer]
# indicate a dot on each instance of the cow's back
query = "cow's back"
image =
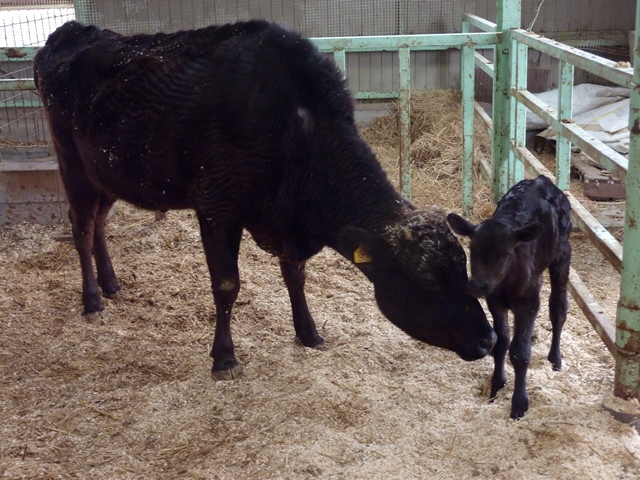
(161, 120)
(537, 200)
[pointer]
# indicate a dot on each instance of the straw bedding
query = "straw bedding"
(129, 395)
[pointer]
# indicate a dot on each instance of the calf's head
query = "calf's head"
(492, 249)
(418, 269)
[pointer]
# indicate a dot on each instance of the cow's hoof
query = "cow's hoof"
(316, 344)
(96, 318)
(114, 296)
(229, 374)
(321, 346)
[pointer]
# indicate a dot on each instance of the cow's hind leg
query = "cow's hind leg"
(294, 277)
(221, 246)
(500, 316)
(558, 305)
(106, 276)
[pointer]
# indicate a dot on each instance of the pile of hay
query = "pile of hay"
(436, 150)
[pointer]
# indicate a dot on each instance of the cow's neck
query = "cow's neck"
(359, 193)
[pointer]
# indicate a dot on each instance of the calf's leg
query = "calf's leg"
(524, 313)
(558, 306)
(221, 246)
(294, 277)
(500, 316)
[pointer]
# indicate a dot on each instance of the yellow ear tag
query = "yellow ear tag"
(361, 256)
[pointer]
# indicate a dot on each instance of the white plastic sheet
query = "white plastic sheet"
(602, 111)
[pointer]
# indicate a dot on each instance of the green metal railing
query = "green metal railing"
(404, 45)
(510, 158)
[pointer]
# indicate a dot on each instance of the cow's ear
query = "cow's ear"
(357, 245)
(460, 225)
(528, 233)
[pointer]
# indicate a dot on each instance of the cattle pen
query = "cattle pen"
(500, 51)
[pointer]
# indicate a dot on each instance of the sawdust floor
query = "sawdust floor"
(130, 395)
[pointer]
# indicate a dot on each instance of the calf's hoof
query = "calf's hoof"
(496, 386)
(519, 408)
(556, 362)
(226, 374)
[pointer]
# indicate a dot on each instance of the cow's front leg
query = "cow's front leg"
(500, 316)
(520, 352)
(83, 206)
(221, 245)
(83, 225)
(82, 211)
(294, 278)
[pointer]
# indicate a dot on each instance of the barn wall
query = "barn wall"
(371, 71)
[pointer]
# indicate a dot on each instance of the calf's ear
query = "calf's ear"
(460, 225)
(528, 233)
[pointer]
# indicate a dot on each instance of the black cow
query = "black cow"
(253, 128)
(527, 234)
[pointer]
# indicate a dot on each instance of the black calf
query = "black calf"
(528, 233)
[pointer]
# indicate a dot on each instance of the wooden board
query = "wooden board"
(36, 195)
(598, 184)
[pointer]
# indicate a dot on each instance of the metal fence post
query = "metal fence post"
(519, 69)
(563, 145)
(84, 9)
(467, 85)
(627, 377)
(508, 17)
(404, 60)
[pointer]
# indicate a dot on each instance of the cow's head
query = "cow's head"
(492, 247)
(418, 269)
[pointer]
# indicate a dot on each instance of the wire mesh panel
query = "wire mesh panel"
(31, 27)
(25, 24)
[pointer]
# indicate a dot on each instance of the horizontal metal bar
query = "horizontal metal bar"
(375, 95)
(595, 38)
(28, 166)
(484, 64)
(598, 235)
(586, 61)
(38, 7)
(531, 162)
(601, 153)
(485, 166)
(18, 54)
(437, 41)
(21, 104)
(591, 44)
(484, 117)
(479, 22)
(12, 84)
(603, 325)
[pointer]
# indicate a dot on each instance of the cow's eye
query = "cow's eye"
(430, 283)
